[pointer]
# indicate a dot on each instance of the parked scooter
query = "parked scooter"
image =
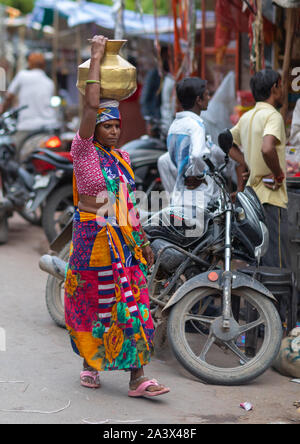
(195, 292)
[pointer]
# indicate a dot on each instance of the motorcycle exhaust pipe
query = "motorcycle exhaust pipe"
(53, 265)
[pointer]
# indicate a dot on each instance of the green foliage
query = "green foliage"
(25, 6)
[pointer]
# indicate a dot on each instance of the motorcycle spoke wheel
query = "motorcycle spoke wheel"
(218, 356)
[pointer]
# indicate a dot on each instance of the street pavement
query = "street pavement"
(39, 373)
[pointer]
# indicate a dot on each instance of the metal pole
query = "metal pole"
(55, 46)
(2, 31)
(119, 29)
(203, 42)
(290, 31)
(79, 60)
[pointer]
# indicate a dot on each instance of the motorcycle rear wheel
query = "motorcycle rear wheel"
(200, 352)
(57, 211)
(55, 293)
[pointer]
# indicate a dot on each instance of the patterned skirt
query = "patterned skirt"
(106, 298)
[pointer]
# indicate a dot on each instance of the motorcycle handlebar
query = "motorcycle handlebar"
(209, 164)
(14, 112)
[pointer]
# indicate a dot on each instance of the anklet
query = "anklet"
(137, 379)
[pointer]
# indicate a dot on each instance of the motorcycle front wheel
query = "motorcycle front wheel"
(218, 357)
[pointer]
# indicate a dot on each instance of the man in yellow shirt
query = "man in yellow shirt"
(260, 133)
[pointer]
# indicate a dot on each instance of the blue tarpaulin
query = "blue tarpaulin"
(77, 13)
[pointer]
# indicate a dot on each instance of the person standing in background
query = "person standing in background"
(260, 133)
(295, 126)
(34, 89)
(151, 96)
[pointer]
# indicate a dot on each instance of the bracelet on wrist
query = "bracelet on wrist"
(146, 244)
(280, 178)
(90, 82)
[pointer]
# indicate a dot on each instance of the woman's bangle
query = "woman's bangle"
(146, 244)
(90, 82)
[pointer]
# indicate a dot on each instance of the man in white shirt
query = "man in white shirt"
(187, 142)
(34, 89)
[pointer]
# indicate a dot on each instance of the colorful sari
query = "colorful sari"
(106, 296)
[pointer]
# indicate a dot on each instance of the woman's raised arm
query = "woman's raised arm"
(92, 90)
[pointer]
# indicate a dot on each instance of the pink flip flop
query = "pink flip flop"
(94, 375)
(142, 391)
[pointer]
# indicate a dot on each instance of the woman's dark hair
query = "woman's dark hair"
(261, 84)
(188, 90)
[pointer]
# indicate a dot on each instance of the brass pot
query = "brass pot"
(118, 77)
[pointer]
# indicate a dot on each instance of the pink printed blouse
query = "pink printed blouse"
(89, 177)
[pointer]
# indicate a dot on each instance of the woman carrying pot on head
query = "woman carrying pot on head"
(106, 296)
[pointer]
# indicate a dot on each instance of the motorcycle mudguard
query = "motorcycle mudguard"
(43, 193)
(239, 280)
(64, 237)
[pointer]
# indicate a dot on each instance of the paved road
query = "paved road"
(43, 371)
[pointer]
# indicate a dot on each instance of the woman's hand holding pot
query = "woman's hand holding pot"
(98, 46)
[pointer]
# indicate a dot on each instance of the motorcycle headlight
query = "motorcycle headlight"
(262, 249)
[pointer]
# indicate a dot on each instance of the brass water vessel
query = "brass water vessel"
(117, 76)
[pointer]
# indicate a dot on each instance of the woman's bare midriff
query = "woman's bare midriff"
(89, 204)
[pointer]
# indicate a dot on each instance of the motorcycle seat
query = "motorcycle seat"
(56, 157)
(66, 166)
(164, 226)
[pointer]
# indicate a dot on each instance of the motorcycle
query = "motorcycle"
(215, 311)
(15, 181)
(25, 187)
(49, 137)
(54, 191)
(210, 311)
